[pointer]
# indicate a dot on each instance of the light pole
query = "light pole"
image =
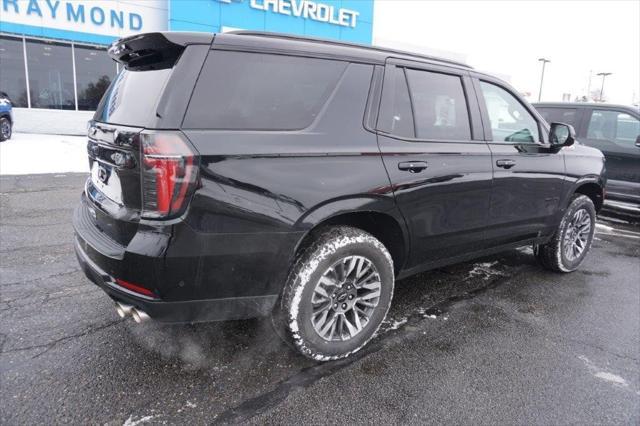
(544, 62)
(604, 75)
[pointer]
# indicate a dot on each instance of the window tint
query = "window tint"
(94, 72)
(559, 115)
(628, 130)
(50, 75)
(132, 97)
(261, 91)
(395, 115)
(439, 106)
(12, 76)
(510, 121)
(619, 127)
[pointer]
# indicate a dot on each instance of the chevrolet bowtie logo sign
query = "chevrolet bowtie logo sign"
(306, 9)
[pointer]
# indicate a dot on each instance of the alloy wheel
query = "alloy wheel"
(345, 297)
(576, 235)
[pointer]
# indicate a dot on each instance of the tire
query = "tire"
(325, 278)
(577, 226)
(5, 129)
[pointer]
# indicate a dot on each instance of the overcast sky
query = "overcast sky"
(507, 38)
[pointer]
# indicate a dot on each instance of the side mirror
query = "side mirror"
(638, 141)
(562, 134)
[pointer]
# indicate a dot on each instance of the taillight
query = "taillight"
(135, 288)
(169, 174)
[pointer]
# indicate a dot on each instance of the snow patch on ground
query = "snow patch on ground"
(131, 422)
(603, 229)
(610, 377)
(188, 404)
(484, 270)
(396, 324)
(29, 153)
(391, 324)
(603, 375)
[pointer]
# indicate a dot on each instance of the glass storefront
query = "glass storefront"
(55, 75)
(94, 72)
(50, 75)
(12, 76)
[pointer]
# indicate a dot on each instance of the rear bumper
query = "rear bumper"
(175, 312)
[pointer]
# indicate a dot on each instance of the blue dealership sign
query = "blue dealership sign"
(348, 20)
(102, 21)
(95, 21)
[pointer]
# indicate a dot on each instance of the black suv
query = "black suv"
(251, 174)
(614, 130)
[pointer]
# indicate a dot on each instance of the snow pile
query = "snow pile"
(28, 153)
(50, 121)
(484, 270)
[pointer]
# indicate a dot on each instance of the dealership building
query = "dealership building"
(53, 60)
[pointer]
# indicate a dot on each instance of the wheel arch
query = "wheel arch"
(387, 226)
(592, 187)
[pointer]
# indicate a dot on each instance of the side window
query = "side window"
(510, 120)
(256, 91)
(602, 125)
(558, 115)
(628, 130)
(619, 127)
(439, 106)
(395, 115)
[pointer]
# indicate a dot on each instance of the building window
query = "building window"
(50, 67)
(12, 77)
(94, 72)
(50, 75)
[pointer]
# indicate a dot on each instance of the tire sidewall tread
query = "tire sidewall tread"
(551, 255)
(328, 242)
(2, 120)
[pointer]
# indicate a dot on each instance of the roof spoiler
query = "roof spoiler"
(153, 51)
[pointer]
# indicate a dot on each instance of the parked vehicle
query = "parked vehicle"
(252, 174)
(614, 130)
(6, 117)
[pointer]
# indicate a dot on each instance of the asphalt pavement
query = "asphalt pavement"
(494, 341)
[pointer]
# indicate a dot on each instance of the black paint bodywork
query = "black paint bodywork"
(623, 162)
(262, 193)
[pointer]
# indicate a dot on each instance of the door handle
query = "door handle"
(505, 164)
(412, 166)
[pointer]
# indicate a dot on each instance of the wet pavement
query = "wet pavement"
(497, 340)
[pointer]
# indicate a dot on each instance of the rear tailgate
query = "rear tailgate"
(148, 97)
(114, 184)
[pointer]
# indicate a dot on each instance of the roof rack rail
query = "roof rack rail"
(347, 44)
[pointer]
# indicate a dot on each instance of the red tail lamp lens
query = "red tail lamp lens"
(135, 288)
(169, 174)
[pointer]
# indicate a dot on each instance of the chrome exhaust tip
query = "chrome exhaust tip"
(139, 316)
(123, 309)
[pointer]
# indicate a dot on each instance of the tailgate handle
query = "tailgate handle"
(412, 166)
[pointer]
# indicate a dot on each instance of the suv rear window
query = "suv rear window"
(132, 97)
(256, 91)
